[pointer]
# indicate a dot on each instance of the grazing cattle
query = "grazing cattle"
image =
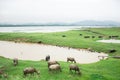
(80, 34)
(39, 42)
(15, 61)
(113, 36)
(102, 57)
(89, 49)
(100, 36)
(86, 36)
(63, 35)
(3, 74)
(75, 68)
(71, 59)
(110, 36)
(47, 58)
(55, 67)
(93, 36)
(112, 51)
(52, 62)
(29, 70)
(116, 57)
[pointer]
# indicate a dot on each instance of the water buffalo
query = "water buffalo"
(71, 59)
(63, 35)
(29, 70)
(102, 57)
(47, 58)
(15, 61)
(117, 57)
(112, 51)
(39, 42)
(100, 36)
(75, 68)
(80, 34)
(55, 67)
(52, 62)
(113, 36)
(93, 36)
(86, 36)
(3, 74)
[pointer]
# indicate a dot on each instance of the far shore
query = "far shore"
(36, 52)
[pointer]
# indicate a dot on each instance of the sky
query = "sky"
(44, 11)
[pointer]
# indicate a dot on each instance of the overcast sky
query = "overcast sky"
(34, 11)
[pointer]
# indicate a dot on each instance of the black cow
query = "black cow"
(80, 34)
(86, 36)
(47, 58)
(100, 36)
(112, 51)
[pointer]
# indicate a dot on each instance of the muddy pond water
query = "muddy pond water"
(36, 52)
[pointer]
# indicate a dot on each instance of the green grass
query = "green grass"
(103, 70)
(107, 31)
(72, 39)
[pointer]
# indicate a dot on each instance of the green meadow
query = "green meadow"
(103, 70)
(72, 38)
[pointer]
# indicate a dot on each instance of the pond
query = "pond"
(36, 52)
(109, 41)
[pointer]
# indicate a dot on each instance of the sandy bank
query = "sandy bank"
(27, 51)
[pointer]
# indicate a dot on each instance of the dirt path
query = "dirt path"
(28, 51)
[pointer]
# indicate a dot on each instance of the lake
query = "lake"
(43, 28)
(38, 28)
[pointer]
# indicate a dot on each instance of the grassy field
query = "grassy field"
(72, 39)
(103, 70)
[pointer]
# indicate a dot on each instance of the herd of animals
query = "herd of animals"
(55, 65)
(52, 66)
(111, 37)
(101, 36)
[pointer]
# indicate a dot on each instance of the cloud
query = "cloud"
(58, 10)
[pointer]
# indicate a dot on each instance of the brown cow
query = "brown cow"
(52, 62)
(71, 59)
(55, 67)
(29, 70)
(75, 68)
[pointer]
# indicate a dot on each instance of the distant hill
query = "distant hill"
(81, 23)
(96, 23)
